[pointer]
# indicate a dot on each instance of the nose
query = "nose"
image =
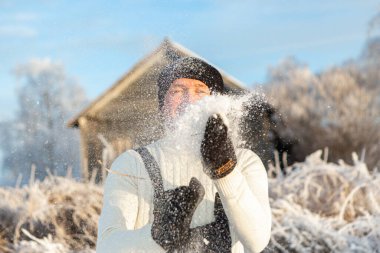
(189, 98)
(192, 97)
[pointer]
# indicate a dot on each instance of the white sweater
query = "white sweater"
(127, 213)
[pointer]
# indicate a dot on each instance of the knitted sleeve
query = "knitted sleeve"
(244, 194)
(116, 228)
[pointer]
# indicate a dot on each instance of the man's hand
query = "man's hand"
(173, 212)
(217, 150)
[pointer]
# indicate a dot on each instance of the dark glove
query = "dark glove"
(213, 237)
(219, 158)
(173, 212)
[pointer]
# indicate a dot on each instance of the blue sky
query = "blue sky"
(98, 41)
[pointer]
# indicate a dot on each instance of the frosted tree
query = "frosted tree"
(38, 135)
(333, 109)
(289, 88)
(337, 108)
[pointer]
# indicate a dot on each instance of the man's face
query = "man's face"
(182, 92)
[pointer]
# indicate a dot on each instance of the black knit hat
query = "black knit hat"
(189, 67)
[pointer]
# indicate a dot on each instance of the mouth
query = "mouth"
(181, 110)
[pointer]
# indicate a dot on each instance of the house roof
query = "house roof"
(166, 48)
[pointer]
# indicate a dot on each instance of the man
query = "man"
(175, 202)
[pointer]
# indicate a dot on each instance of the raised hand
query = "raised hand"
(218, 154)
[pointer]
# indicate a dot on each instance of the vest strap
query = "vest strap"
(153, 170)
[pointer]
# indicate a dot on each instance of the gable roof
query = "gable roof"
(166, 48)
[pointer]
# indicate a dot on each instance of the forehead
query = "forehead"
(188, 83)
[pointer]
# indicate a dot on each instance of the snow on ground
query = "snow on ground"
(317, 207)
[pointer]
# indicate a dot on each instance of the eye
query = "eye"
(175, 90)
(201, 91)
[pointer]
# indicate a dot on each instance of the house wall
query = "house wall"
(129, 121)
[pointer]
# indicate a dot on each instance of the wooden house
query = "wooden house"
(126, 115)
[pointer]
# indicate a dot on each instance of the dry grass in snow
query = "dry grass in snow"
(56, 215)
(317, 207)
(326, 207)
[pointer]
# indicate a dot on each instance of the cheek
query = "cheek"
(199, 96)
(172, 102)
